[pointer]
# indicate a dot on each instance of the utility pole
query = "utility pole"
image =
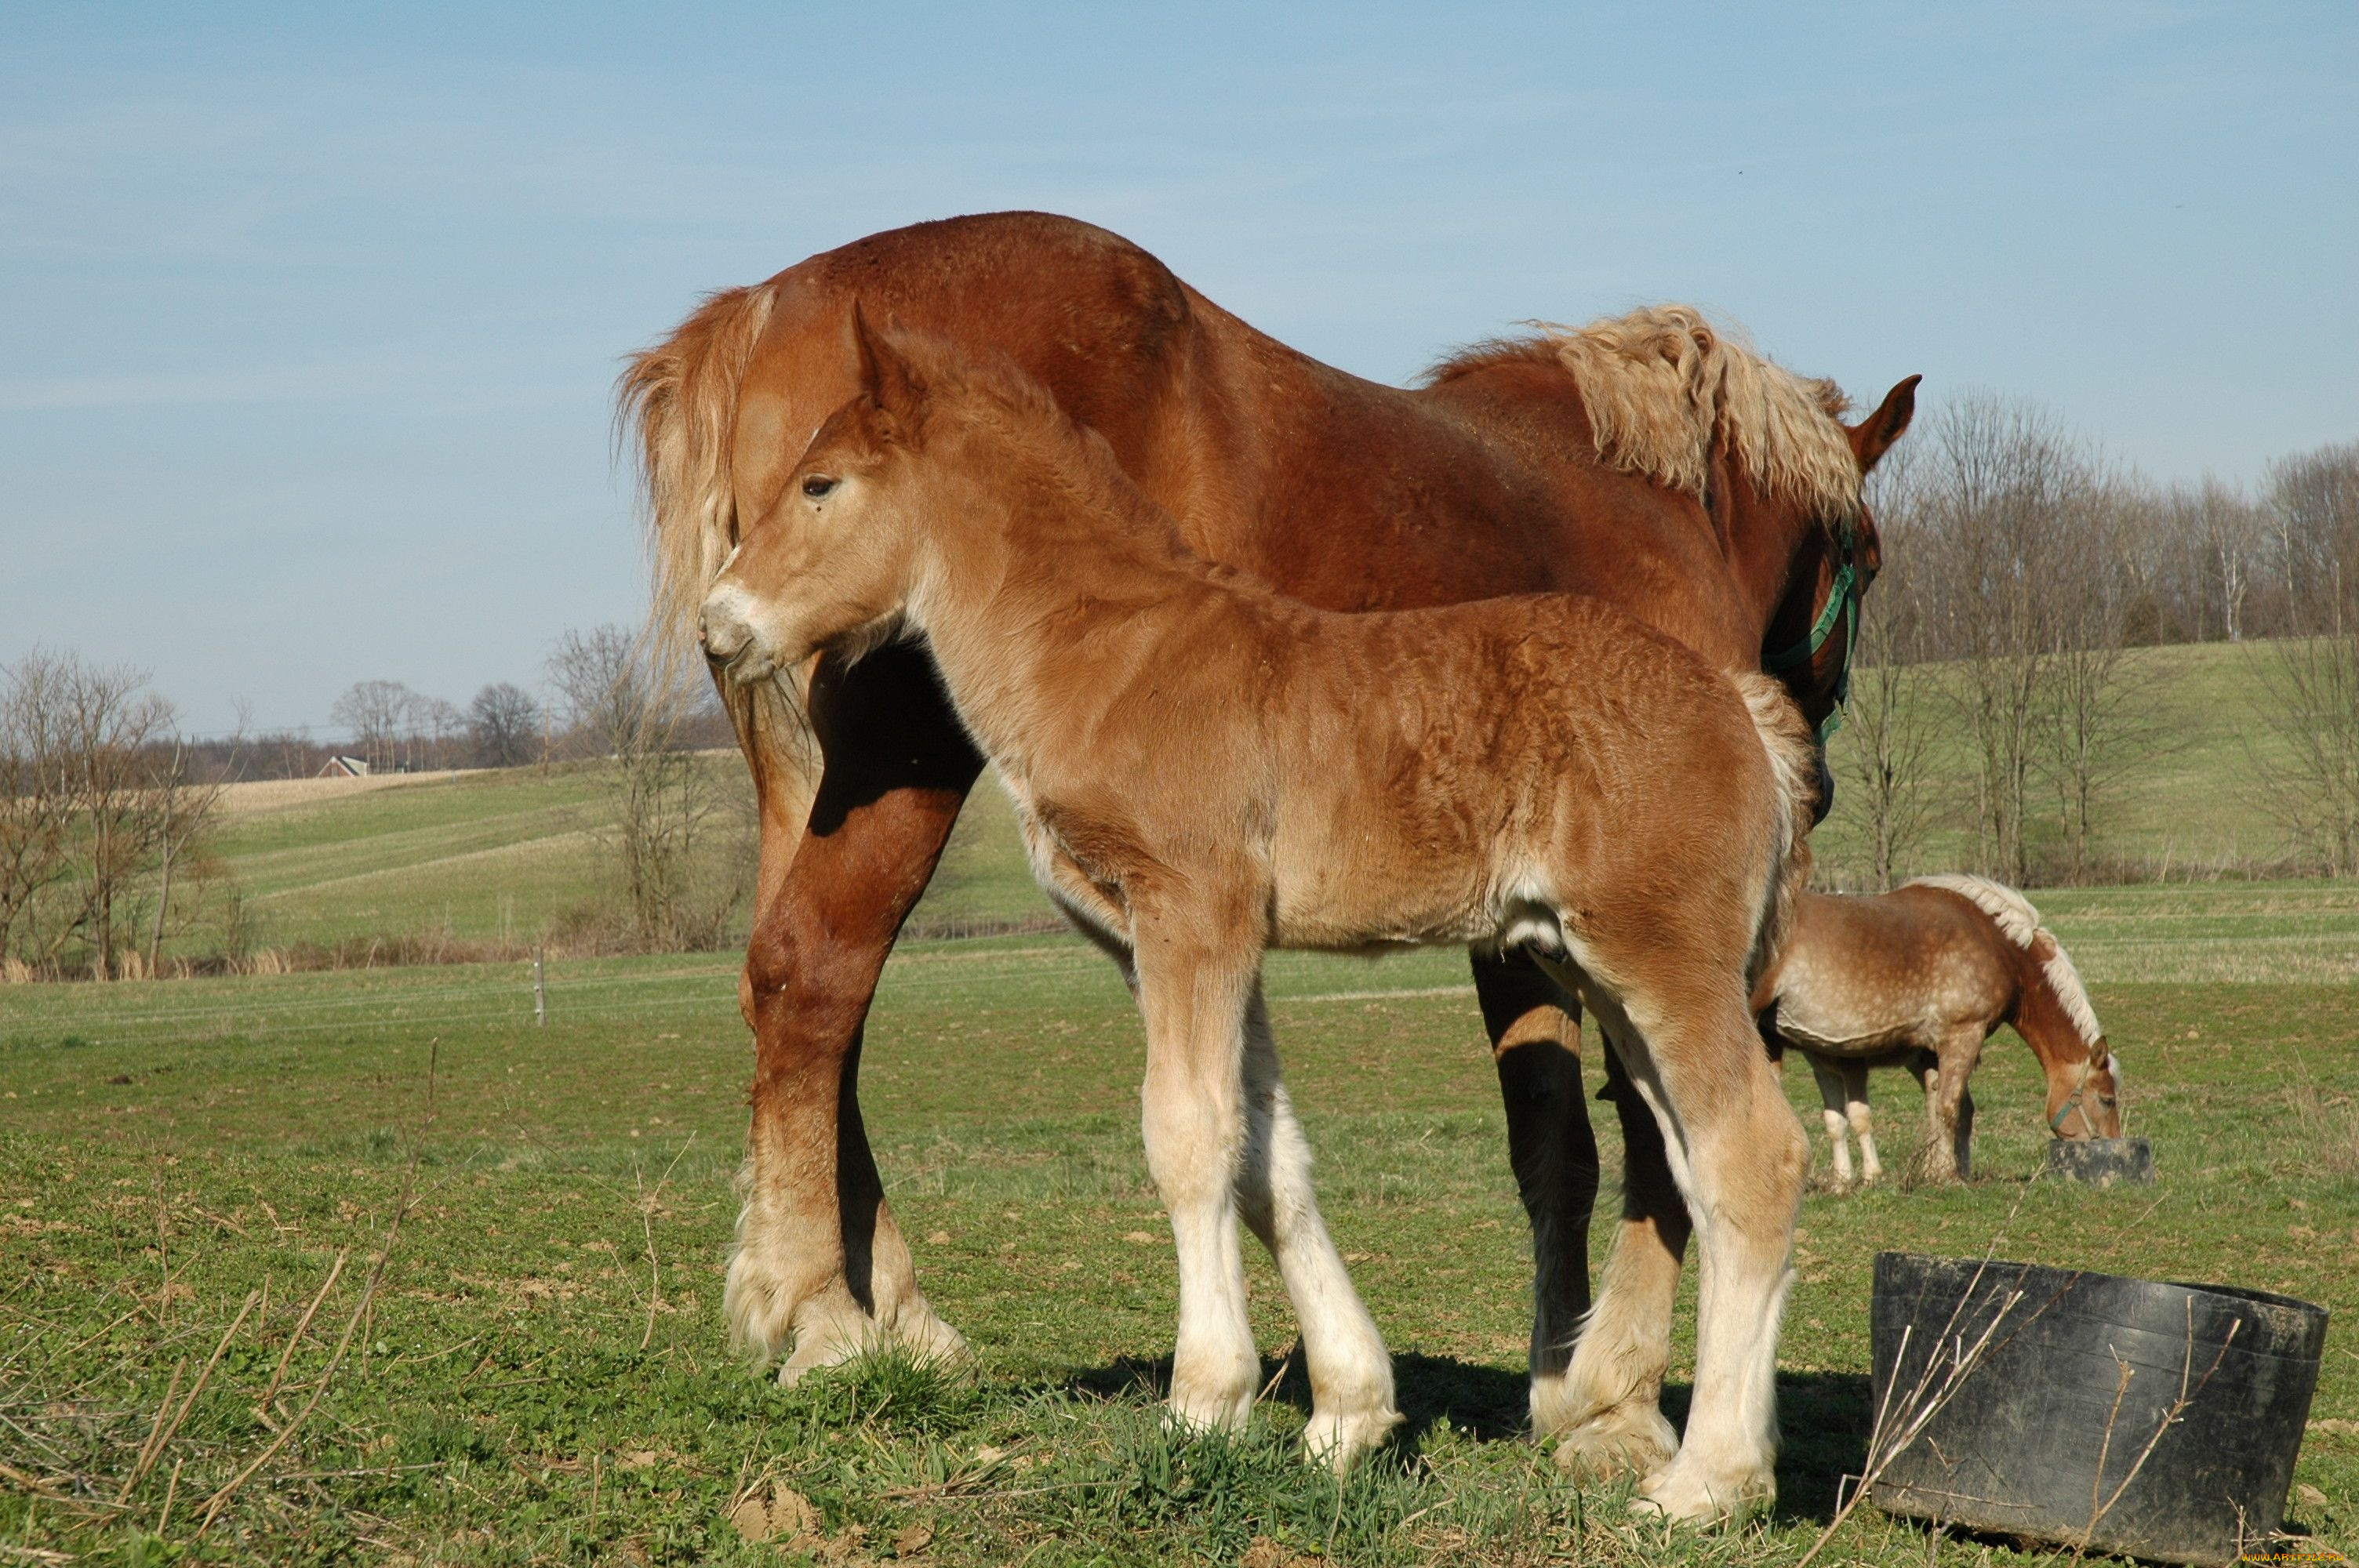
(539, 991)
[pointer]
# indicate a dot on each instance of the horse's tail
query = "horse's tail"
(680, 398)
(2018, 922)
(1787, 740)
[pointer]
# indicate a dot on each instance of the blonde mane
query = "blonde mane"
(1661, 385)
(680, 399)
(2016, 918)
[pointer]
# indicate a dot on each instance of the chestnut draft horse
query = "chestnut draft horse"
(1920, 977)
(1204, 770)
(1647, 461)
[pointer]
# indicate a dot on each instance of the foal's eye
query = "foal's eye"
(819, 487)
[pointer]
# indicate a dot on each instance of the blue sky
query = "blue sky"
(308, 315)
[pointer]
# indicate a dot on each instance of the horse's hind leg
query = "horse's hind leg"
(1863, 1124)
(1606, 1412)
(1829, 1076)
(1534, 1031)
(1351, 1371)
(1948, 1108)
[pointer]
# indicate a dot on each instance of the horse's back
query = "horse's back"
(1337, 490)
(1884, 969)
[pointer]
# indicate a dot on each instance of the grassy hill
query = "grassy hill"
(2191, 802)
(508, 856)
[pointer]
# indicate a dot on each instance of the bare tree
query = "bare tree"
(1885, 753)
(439, 726)
(2099, 728)
(2312, 507)
(504, 722)
(1998, 475)
(2314, 710)
(36, 806)
(607, 689)
(378, 714)
(639, 714)
(2227, 528)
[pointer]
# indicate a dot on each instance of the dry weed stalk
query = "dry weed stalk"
(302, 1326)
(646, 1205)
(1926, 1399)
(2170, 1418)
(161, 1436)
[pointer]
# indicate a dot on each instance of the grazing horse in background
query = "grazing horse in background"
(1647, 461)
(1204, 770)
(1920, 977)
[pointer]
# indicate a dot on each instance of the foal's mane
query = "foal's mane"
(2018, 920)
(1661, 385)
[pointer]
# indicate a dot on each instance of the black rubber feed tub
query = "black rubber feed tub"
(2037, 1437)
(2101, 1161)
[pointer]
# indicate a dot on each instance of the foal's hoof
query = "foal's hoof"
(1338, 1441)
(1685, 1496)
(1628, 1440)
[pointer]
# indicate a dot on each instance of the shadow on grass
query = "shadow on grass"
(1824, 1416)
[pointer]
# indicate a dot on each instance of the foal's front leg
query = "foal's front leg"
(1194, 996)
(1351, 1371)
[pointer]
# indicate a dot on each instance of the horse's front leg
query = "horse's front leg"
(1535, 1031)
(1609, 1417)
(820, 1260)
(1831, 1095)
(1195, 985)
(1351, 1371)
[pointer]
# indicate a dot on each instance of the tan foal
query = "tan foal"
(1205, 770)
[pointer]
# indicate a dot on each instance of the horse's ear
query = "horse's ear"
(887, 377)
(1873, 435)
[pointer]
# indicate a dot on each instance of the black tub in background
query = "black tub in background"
(2017, 1447)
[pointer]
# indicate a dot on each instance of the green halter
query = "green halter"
(1842, 607)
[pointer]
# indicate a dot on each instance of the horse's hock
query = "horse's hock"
(2134, 1416)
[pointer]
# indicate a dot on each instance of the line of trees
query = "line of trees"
(105, 833)
(2020, 568)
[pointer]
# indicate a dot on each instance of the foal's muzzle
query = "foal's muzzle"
(728, 637)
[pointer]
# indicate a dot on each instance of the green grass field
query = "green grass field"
(541, 1377)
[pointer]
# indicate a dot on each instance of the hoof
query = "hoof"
(1631, 1440)
(1338, 1441)
(1685, 1496)
(927, 1341)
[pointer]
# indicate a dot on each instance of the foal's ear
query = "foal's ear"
(1873, 435)
(885, 375)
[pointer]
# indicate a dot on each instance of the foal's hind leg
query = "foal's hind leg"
(1351, 1371)
(1740, 1155)
(1535, 1029)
